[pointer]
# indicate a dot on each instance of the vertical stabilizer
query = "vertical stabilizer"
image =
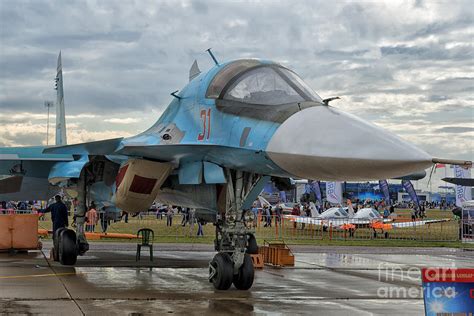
(194, 71)
(60, 114)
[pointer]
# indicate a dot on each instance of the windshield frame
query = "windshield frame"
(275, 67)
(237, 70)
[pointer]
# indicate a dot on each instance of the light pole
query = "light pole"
(48, 105)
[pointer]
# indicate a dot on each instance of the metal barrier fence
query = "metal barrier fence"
(355, 229)
(278, 228)
(467, 230)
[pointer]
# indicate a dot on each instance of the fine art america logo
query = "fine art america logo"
(445, 291)
(398, 275)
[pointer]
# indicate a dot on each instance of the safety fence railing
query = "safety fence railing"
(304, 228)
(181, 227)
(11, 211)
(467, 230)
(178, 227)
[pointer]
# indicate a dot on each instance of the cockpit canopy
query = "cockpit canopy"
(335, 212)
(259, 90)
(367, 213)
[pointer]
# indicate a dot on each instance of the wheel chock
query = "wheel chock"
(257, 261)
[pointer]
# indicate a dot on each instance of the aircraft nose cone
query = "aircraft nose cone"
(324, 143)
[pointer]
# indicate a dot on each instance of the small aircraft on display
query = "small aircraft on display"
(228, 132)
(341, 218)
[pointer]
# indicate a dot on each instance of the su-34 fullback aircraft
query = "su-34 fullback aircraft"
(223, 136)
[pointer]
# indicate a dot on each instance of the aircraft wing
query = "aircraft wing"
(24, 172)
(33, 153)
(155, 148)
(418, 223)
(344, 223)
(306, 220)
(101, 147)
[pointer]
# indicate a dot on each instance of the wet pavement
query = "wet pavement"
(325, 280)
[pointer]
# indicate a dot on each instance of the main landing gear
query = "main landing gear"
(235, 240)
(67, 243)
(65, 246)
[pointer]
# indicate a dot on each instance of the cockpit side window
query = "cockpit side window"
(343, 211)
(262, 85)
(297, 81)
(223, 77)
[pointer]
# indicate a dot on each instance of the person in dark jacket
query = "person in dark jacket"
(58, 214)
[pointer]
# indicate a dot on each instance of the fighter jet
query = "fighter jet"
(220, 140)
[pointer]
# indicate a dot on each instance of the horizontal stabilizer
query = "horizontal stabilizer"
(101, 147)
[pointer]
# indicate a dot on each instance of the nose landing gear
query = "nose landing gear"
(235, 239)
(243, 280)
(221, 271)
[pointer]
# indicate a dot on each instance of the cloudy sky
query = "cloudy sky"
(406, 66)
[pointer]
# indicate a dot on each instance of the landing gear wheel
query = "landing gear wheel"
(67, 247)
(386, 235)
(252, 247)
(375, 234)
(221, 271)
(56, 238)
(244, 279)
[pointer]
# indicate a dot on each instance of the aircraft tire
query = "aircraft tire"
(67, 247)
(56, 241)
(252, 247)
(386, 235)
(224, 267)
(244, 279)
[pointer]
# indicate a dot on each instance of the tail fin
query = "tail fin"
(60, 114)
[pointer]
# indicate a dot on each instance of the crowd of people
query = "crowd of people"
(98, 219)
(269, 215)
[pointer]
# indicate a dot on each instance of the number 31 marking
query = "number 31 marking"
(206, 124)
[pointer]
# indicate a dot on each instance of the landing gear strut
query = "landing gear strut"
(68, 244)
(235, 239)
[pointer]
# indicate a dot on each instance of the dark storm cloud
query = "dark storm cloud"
(69, 40)
(455, 129)
(340, 54)
(200, 7)
(434, 52)
(23, 65)
(464, 20)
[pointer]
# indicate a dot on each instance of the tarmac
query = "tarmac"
(324, 281)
